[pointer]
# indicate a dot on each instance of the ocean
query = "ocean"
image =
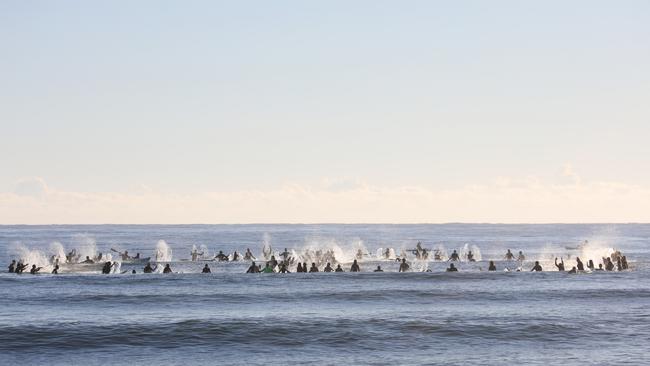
(423, 316)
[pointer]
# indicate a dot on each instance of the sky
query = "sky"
(324, 111)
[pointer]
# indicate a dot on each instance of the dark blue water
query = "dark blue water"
(228, 317)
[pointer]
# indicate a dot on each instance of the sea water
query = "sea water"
(425, 316)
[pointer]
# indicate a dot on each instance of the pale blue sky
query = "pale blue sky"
(203, 96)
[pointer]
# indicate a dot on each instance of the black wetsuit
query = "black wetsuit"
(12, 267)
(355, 268)
(492, 267)
(338, 269)
(452, 269)
(206, 270)
(581, 267)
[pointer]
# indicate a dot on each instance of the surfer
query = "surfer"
(283, 268)
(536, 267)
(580, 266)
(573, 270)
(454, 256)
(299, 269)
(56, 269)
(34, 269)
(403, 267)
(619, 265)
(253, 269)
(167, 269)
(88, 261)
(12, 266)
(359, 254)
(560, 266)
(492, 267)
(590, 265)
(452, 268)
(338, 268)
(609, 266)
(249, 255)
(221, 257)
(509, 256)
(304, 267)
(328, 268)
(206, 269)
(624, 262)
(355, 266)
(235, 256)
(470, 257)
(149, 269)
(274, 262)
(600, 267)
(378, 269)
(285, 255)
(313, 268)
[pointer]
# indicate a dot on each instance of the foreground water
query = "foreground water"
(228, 317)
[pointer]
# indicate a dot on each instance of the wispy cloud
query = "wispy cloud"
(504, 200)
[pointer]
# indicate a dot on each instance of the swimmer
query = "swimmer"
(492, 267)
(56, 269)
(452, 268)
(313, 268)
(268, 268)
(328, 268)
(579, 264)
(88, 261)
(454, 256)
(536, 267)
(560, 266)
(509, 256)
(253, 269)
(221, 257)
(355, 267)
(299, 269)
(338, 268)
(149, 269)
(206, 269)
(403, 267)
(12, 266)
(378, 269)
(167, 269)
(34, 269)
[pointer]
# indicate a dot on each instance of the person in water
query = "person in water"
(195, 254)
(283, 268)
(106, 269)
(285, 255)
(454, 256)
(509, 256)
(609, 266)
(600, 267)
(253, 269)
(560, 266)
(573, 270)
(88, 261)
(521, 257)
(403, 267)
(235, 256)
(619, 265)
(34, 269)
(338, 268)
(355, 267)
(167, 269)
(328, 268)
(274, 262)
(249, 255)
(268, 268)
(624, 262)
(304, 267)
(299, 269)
(452, 268)
(12, 266)
(206, 269)
(20, 267)
(590, 265)
(56, 269)
(313, 268)
(492, 267)
(221, 257)
(359, 254)
(378, 269)
(579, 265)
(149, 269)
(537, 267)
(470, 257)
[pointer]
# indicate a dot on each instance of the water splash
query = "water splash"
(163, 252)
